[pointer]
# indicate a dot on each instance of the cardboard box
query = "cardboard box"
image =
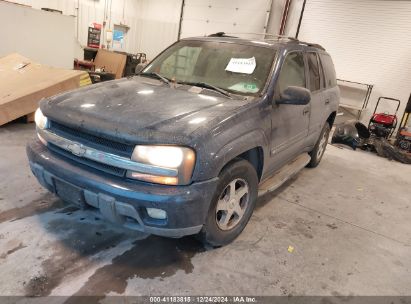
(111, 62)
(24, 82)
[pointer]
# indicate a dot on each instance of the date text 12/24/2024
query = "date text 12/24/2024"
(202, 299)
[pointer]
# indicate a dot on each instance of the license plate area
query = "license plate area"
(70, 193)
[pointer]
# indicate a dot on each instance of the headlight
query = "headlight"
(40, 119)
(180, 158)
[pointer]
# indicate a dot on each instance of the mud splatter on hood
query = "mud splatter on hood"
(139, 109)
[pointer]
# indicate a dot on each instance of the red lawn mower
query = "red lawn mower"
(382, 125)
(375, 138)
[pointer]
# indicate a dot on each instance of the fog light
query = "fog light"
(157, 214)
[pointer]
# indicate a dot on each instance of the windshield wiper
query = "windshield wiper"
(207, 86)
(156, 75)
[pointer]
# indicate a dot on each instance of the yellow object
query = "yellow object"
(85, 80)
(290, 249)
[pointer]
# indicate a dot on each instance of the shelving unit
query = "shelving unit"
(361, 105)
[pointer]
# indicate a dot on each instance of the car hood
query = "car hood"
(139, 109)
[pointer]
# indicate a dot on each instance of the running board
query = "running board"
(284, 174)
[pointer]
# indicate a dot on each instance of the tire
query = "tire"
(319, 148)
(217, 230)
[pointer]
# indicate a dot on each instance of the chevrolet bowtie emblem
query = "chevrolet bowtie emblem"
(76, 149)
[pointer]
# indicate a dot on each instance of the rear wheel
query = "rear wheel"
(232, 205)
(319, 148)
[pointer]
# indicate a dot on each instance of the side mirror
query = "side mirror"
(294, 96)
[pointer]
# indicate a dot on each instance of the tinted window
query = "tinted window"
(330, 78)
(313, 72)
(292, 71)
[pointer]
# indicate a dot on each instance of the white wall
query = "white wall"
(277, 10)
(29, 32)
(204, 17)
(157, 26)
(293, 17)
(368, 40)
(153, 23)
(276, 13)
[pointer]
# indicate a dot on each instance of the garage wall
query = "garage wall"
(28, 32)
(369, 41)
(153, 23)
(157, 25)
(204, 17)
(276, 13)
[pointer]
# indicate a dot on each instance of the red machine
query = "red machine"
(383, 124)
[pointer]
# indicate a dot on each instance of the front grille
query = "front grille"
(93, 141)
(87, 162)
(90, 140)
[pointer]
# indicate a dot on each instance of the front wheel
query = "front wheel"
(232, 205)
(319, 148)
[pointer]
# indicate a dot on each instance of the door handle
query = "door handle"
(306, 111)
(327, 101)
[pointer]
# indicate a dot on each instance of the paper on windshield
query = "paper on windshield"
(241, 65)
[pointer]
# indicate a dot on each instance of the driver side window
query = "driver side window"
(292, 72)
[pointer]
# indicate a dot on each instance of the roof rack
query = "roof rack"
(267, 37)
(313, 45)
(317, 46)
(276, 37)
(221, 34)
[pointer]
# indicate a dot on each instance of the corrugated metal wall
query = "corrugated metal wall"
(369, 41)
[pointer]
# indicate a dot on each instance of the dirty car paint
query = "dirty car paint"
(140, 110)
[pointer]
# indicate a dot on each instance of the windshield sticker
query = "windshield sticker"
(244, 87)
(241, 65)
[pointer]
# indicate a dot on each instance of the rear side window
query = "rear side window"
(327, 63)
(313, 72)
(292, 71)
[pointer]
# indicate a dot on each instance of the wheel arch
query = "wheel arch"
(252, 146)
(255, 156)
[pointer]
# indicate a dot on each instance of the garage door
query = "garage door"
(202, 17)
(369, 41)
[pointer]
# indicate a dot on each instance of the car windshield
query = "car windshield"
(237, 68)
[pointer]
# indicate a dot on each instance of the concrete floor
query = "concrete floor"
(348, 221)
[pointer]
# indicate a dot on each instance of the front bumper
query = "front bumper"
(121, 200)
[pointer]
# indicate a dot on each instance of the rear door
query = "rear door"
(331, 91)
(289, 122)
(316, 87)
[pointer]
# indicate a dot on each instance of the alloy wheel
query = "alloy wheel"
(232, 204)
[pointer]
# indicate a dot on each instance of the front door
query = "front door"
(289, 122)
